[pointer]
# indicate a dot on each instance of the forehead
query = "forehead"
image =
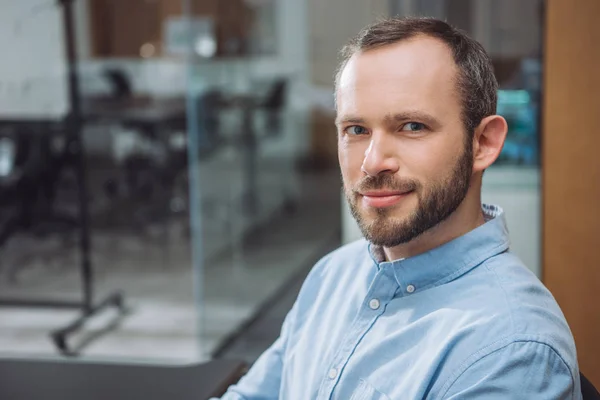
(418, 73)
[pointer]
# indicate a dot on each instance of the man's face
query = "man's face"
(404, 155)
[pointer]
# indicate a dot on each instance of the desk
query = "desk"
(29, 379)
(135, 111)
(155, 120)
(153, 115)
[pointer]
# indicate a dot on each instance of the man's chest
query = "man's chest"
(369, 350)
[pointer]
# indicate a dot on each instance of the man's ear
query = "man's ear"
(488, 141)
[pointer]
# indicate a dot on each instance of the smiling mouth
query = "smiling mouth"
(383, 199)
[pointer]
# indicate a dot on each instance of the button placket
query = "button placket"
(378, 292)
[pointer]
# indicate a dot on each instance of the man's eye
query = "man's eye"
(355, 130)
(413, 126)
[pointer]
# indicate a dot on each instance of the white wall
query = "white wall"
(508, 28)
(517, 191)
(332, 23)
(33, 68)
(82, 23)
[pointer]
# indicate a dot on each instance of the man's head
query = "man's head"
(416, 100)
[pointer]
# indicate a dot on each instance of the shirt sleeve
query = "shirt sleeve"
(263, 381)
(520, 370)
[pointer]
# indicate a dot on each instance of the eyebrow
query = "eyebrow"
(393, 119)
(349, 119)
(413, 115)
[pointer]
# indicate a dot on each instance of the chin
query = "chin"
(380, 221)
(397, 213)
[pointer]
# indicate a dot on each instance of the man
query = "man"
(432, 304)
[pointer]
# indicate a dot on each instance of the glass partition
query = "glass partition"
(260, 217)
(187, 191)
(96, 256)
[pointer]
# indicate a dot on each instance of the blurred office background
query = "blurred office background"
(209, 165)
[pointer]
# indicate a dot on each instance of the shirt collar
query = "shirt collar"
(450, 260)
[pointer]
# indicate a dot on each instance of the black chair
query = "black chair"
(66, 379)
(588, 390)
(120, 83)
(273, 105)
(29, 174)
(208, 107)
(13, 164)
(23, 162)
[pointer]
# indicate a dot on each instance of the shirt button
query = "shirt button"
(410, 288)
(332, 373)
(374, 304)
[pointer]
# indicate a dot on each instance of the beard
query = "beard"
(436, 201)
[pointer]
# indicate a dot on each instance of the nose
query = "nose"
(379, 157)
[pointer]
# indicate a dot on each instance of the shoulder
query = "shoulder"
(512, 296)
(522, 366)
(528, 304)
(515, 322)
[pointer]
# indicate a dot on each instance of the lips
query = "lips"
(381, 199)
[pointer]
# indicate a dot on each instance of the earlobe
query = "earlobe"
(488, 141)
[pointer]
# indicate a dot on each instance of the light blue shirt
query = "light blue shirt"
(463, 321)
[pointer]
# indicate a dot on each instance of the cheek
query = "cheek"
(351, 157)
(429, 161)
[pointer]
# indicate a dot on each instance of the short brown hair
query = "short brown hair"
(476, 81)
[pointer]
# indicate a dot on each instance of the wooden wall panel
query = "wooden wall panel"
(571, 171)
(119, 28)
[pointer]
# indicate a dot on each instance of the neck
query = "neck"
(464, 219)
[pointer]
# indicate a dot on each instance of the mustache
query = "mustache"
(386, 182)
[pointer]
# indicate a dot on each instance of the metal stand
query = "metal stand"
(73, 127)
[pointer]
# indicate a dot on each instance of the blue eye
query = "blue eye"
(355, 130)
(413, 126)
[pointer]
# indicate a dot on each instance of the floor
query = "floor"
(230, 305)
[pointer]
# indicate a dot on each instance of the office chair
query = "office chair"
(588, 390)
(120, 83)
(29, 174)
(208, 107)
(273, 104)
(22, 162)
